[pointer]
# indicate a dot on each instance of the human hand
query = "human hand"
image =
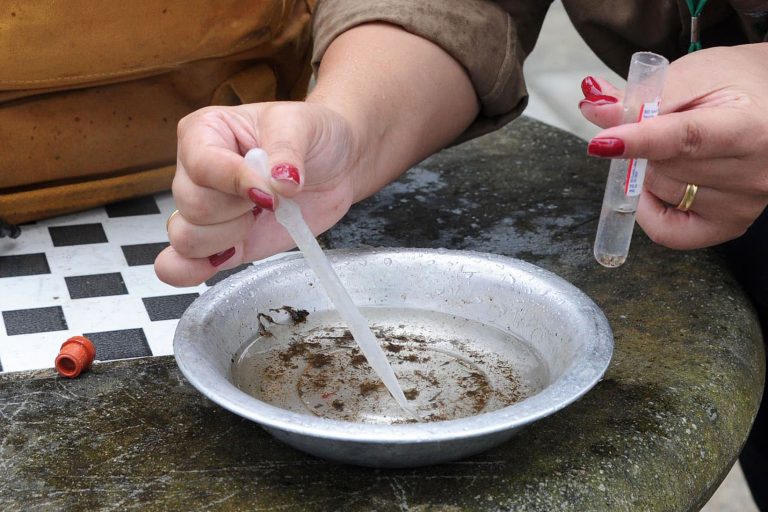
(713, 132)
(225, 208)
(385, 99)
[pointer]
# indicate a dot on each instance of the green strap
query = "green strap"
(695, 7)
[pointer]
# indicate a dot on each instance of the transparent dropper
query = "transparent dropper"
(647, 72)
(288, 214)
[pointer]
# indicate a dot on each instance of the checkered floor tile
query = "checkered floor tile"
(90, 274)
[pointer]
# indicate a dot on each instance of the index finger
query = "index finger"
(209, 149)
(696, 134)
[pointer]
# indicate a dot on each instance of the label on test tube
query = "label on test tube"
(636, 167)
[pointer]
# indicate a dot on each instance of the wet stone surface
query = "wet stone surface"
(658, 433)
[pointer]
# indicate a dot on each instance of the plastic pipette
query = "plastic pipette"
(647, 72)
(288, 214)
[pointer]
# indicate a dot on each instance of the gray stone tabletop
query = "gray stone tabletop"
(660, 431)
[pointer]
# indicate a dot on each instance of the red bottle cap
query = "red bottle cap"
(75, 357)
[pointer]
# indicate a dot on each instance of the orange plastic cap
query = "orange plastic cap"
(75, 357)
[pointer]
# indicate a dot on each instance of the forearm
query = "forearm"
(403, 96)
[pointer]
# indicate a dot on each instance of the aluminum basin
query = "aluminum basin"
(456, 325)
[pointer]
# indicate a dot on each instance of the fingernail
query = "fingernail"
(256, 210)
(262, 199)
(598, 101)
(220, 257)
(590, 87)
(594, 94)
(286, 172)
(606, 147)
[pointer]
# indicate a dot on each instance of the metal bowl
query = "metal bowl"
(490, 344)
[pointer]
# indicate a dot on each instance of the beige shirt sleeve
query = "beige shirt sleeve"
(479, 34)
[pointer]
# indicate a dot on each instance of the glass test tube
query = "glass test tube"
(647, 72)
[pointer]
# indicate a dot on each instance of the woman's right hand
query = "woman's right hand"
(225, 208)
(384, 100)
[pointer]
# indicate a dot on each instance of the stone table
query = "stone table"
(660, 432)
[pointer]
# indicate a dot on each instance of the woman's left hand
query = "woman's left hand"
(712, 132)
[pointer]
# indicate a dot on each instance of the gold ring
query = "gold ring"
(168, 222)
(687, 201)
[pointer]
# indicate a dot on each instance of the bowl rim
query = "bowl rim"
(568, 388)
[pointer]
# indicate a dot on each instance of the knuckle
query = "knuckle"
(181, 239)
(199, 213)
(194, 160)
(205, 115)
(660, 233)
(660, 237)
(209, 112)
(183, 125)
(178, 187)
(281, 109)
(739, 230)
(239, 183)
(692, 138)
(651, 181)
(731, 229)
(194, 204)
(283, 147)
(745, 215)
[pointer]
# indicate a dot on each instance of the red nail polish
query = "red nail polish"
(606, 147)
(256, 210)
(590, 87)
(593, 93)
(598, 101)
(262, 199)
(220, 257)
(286, 172)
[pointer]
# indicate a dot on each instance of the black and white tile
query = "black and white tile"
(90, 274)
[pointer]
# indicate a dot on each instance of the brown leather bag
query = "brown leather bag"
(91, 92)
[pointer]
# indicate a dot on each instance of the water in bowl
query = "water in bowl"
(449, 367)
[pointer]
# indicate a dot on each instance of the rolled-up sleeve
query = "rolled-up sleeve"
(479, 34)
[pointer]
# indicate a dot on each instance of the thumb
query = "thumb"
(285, 139)
(602, 102)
